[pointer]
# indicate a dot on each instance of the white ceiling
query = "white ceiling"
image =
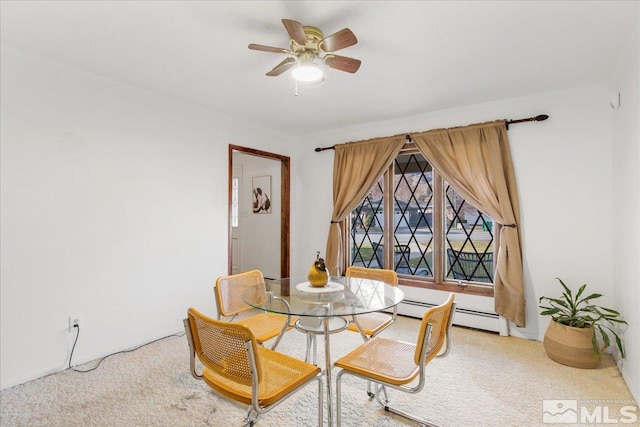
(417, 57)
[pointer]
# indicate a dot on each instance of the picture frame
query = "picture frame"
(261, 194)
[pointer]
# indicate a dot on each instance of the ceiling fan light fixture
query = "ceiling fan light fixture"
(307, 73)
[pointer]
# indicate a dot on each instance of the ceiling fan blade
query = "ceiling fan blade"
(263, 48)
(342, 63)
(340, 40)
(282, 67)
(296, 31)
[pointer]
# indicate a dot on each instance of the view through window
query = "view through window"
(414, 222)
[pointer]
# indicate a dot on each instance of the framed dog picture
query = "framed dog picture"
(261, 194)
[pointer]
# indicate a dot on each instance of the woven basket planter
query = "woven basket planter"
(570, 346)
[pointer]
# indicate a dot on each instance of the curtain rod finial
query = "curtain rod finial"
(319, 149)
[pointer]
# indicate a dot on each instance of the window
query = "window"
(413, 222)
(234, 202)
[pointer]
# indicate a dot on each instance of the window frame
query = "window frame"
(438, 281)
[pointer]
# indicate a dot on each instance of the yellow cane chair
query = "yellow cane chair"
(228, 291)
(234, 365)
(371, 324)
(396, 364)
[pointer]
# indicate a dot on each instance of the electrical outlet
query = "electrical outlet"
(73, 321)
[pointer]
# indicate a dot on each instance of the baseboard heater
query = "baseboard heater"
(464, 316)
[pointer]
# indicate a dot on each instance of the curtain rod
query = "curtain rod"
(540, 118)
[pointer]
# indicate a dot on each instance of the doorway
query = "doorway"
(235, 234)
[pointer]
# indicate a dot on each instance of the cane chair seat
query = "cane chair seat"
(264, 325)
(392, 361)
(282, 374)
(234, 365)
(228, 293)
(373, 323)
(397, 364)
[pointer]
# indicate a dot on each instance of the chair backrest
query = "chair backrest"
(470, 266)
(439, 318)
(229, 291)
(222, 347)
(387, 276)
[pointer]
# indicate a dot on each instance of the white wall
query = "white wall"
(260, 233)
(626, 204)
(114, 207)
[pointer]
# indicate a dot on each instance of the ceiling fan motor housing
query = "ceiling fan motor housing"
(314, 36)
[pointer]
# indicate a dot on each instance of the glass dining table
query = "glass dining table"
(325, 310)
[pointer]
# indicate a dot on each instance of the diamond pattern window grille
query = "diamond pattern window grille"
(366, 229)
(469, 240)
(466, 233)
(413, 216)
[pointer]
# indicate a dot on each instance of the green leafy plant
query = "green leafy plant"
(578, 311)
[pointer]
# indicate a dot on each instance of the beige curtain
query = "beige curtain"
(356, 167)
(476, 161)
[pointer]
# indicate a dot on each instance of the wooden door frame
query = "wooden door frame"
(285, 203)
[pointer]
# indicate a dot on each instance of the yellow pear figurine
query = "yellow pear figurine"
(318, 276)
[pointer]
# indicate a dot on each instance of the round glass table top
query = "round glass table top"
(339, 297)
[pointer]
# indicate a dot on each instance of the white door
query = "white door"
(236, 217)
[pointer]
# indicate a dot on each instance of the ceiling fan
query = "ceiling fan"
(307, 46)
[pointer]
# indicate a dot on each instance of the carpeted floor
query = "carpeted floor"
(486, 380)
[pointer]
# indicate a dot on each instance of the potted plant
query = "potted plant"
(571, 337)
